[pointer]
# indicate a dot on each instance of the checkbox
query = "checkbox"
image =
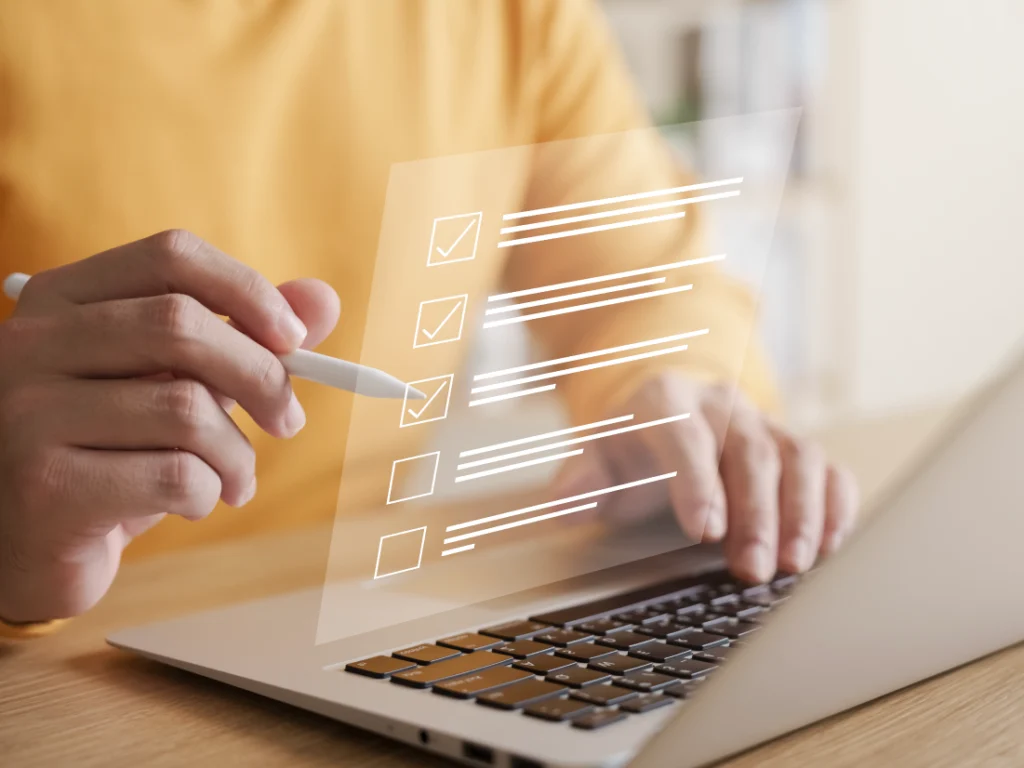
(439, 321)
(454, 239)
(413, 478)
(400, 552)
(438, 391)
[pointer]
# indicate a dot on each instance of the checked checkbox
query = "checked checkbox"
(439, 321)
(454, 239)
(438, 391)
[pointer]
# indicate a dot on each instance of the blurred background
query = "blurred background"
(896, 273)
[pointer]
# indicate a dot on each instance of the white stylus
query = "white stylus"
(331, 371)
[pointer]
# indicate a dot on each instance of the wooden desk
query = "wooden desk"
(68, 699)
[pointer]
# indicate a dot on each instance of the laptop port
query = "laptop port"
(478, 752)
(524, 762)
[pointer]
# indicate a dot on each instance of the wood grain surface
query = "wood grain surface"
(70, 700)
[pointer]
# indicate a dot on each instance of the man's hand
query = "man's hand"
(116, 375)
(774, 498)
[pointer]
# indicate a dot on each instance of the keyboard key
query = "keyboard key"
(646, 682)
(541, 665)
(646, 703)
(766, 600)
(679, 605)
(619, 665)
(732, 628)
(714, 655)
(681, 690)
(738, 610)
(584, 652)
(558, 710)
(563, 637)
(640, 617)
(604, 626)
(623, 641)
(523, 648)
(784, 583)
(690, 608)
(664, 629)
(378, 666)
(468, 642)
(514, 630)
(659, 653)
(519, 695)
(577, 677)
(719, 591)
(426, 654)
(603, 695)
(569, 617)
(689, 668)
(599, 719)
(469, 686)
(424, 677)
(698, 640)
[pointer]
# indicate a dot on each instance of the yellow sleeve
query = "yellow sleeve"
(24, 631)
(577, 86)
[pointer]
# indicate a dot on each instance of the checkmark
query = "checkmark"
(441, 325)
(444, 253)
(454, 238)
(436, 406)
(416, 414)
(440, 321)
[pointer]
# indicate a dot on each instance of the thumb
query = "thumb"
(317, 305)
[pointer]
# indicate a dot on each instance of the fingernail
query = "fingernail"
(294, 417)
(833, 542)
(714, 527)
(249, 493)
(293, 329)
(798, 555)
(760, 562)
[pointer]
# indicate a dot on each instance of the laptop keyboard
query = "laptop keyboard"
(596, 663)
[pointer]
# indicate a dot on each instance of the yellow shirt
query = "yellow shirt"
(269, 127)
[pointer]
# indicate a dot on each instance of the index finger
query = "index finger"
(176, 261)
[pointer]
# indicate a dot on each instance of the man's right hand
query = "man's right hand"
(116, 377)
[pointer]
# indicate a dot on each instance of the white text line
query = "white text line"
(616, 212)
(591, 230)
(588, 305)
(517, 523)
(510, 395)
(520, 465)
(560, 502)
(572, 441)
(588, 355)
(577, 369)
(545, 436)
(622, 199)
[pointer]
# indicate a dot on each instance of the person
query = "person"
(145, 133)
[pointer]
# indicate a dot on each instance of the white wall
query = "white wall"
(938, 214)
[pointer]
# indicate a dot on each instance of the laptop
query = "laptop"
(665, 661)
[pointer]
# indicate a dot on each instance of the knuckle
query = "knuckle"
(795, 449)
(181, 479)
(756, 448)
(173, 245)
(18, 404)
(176, 474)
(187, 403)
(268, 374)
(19, 336)
(39, 477)
(177, 316)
